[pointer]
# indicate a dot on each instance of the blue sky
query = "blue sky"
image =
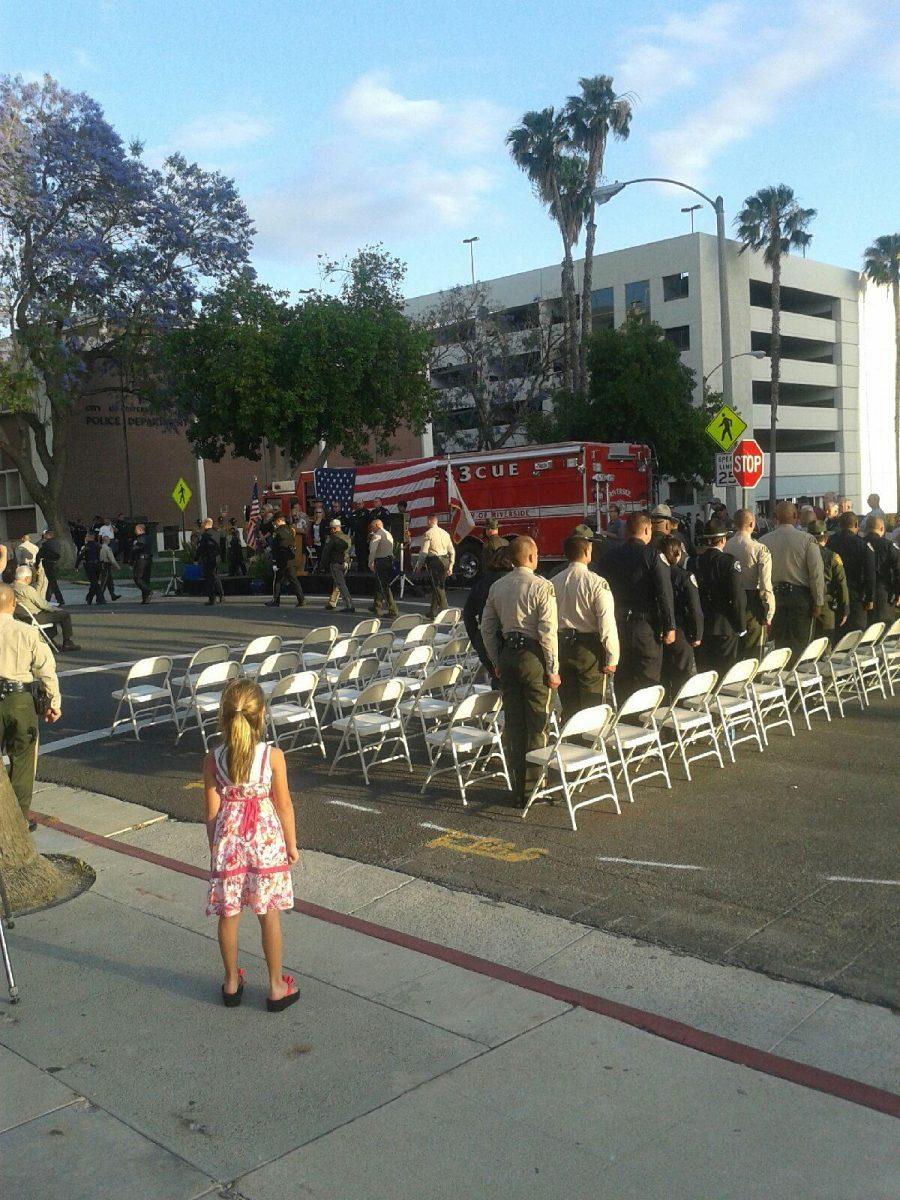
(351, 122)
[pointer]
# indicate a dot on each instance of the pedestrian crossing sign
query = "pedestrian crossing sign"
(726, 428)
(181, 494)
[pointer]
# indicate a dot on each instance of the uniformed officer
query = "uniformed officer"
(493, 542)
(335, 560)
(284, 548)
(665, 525)
(887, 570)
(381, 563)
(722, 598)
(588, 637)
(519, 630)
(379, 512)
(678, 657)
(756, 576)
(437, 556)
(24, 658)
(89, 558)
(142, 562)
(645, 612)
(797, 580)
(473, 609)
(834, 612)
(208, 558)
(858, 557)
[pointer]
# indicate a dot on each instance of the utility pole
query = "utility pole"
(470, 242)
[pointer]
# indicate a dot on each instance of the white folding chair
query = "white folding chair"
(275, 667)
(433, 704)
(868, 660)
(364, 629)
(808, 682)
(736, 706)
(569, 756)
(203, 704)
(146, 695)
(411, 667)
(255, 651)
(400, 625)
(770, 693)
(315, 646)
(343, 692)
(28, 618)
(343, 650)
(204, 657)
(379, 646)
(691, 721)
(446, 624)
(890, 654)
(841, 671)
(419, 635)
(472, 736)
(291, 708)
(372, 725)
(638, 742)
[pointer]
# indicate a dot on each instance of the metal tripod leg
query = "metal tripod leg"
(4, 950)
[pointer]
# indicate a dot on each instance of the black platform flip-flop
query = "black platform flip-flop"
(287, 1000)
(233, 999)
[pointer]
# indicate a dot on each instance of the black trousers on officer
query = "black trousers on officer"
(438, 568)
(678, 663)
(526, 707)
(384, 574)
(19, 740)
(140, 573)
(95, 587)
(212, 581)
(719, 652)
(640, 657)
(286, 577)
(857, 616)
(236, 564)
(582, 658)
(883, 610)
(53, 592)
(792, 623)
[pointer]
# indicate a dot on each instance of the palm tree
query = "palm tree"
(592, 117)
(773, 223)
(882, 266)
(537, 146)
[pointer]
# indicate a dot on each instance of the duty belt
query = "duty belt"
(8, 686)
(521, 641)
(637, 614)
(786, 589)
(578, 635)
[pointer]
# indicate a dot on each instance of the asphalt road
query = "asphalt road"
(759, 865)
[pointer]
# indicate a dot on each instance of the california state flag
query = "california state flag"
(461, 522)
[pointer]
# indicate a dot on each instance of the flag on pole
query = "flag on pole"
(252, 537)
(461, 520)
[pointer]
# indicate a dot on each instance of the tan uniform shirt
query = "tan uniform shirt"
(796, 559)
(381, 545)
(756, 568)
(107, 556)
(25, 656)
(436, 541)
(522, 602)
(584, 602)
(30, 599)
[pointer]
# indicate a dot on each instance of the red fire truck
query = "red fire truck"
(543, 491)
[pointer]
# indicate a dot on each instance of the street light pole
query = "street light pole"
(470, 242)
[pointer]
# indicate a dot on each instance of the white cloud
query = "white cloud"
(222, 131)
(375, 110)
(817, 35)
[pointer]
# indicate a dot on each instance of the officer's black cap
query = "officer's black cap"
(713, 530)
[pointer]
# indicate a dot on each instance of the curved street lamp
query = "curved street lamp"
(742, 354)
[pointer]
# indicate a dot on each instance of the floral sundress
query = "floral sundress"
(250, 867)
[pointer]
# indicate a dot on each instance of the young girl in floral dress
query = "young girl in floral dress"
(250, 822)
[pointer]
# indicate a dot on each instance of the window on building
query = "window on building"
(602, 308)
(637, 298)
(676, 287)
(680, 336)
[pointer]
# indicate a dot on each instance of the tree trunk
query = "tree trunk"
(30, 879)
(775, 356)
(570, 322)
(587, 311)
(895, 290)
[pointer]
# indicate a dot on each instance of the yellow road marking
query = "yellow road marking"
(197, 783)
(486, 847)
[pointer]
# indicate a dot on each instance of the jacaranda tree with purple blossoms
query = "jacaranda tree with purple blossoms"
(99, 254)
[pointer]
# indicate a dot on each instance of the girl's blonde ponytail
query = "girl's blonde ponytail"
(241, 720)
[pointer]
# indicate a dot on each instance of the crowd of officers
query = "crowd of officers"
(645, 608)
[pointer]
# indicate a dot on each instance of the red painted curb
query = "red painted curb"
(763, 1061)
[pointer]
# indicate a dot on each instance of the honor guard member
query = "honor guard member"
(834, 613)
(858, 557)
(493, 542)
(335, 560)
(208, 558)
(24, 658)
(797, 580)
(756, 576)
(519, 631)
(437, 556)
(381, 563)
(678, 656)
(722, 598)
(142, 562)
(588, 637)
(284, 548)
(645, 612)
(887, 570)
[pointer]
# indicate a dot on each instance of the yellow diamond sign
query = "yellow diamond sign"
(725, 428)
(181, 494)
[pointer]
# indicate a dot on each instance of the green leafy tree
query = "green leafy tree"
(773, 224)
(640, 391)
(882, 266)
(593, 115)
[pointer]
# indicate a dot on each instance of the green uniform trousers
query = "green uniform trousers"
(753, 645)
(19, 740)
(526, 707)
(792, 623)
(581, 663)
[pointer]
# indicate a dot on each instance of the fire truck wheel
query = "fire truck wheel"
(468, 561)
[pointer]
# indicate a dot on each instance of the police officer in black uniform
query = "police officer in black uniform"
(723, 599)
(89, 558)
(887, 571)
(678, 657)
(858, 558)
(645, 610)
(48, 557)
(142, 562)
(283, 553)
(208, 558)
(380, 513)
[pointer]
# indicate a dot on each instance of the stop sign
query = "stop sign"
(747, 463)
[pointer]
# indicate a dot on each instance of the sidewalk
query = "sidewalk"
(399, 1074)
